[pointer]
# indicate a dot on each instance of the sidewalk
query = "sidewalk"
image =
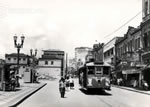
(133, 89)
(13, 98)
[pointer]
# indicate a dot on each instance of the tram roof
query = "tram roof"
(93, 64)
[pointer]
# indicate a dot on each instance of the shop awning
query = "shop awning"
(141, 65)
(131, 71)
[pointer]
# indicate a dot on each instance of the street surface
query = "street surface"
(49, 96)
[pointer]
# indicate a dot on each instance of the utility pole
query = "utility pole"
(66, 63)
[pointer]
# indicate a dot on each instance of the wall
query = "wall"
(108, 47)
(13, 60)
(56, 63)
(49, 71)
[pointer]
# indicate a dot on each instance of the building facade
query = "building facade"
(11, 59)
(2, 79)
(145, 26)
(98, 52)
(51, 62)
(128, 56)
(80, 55)
(109, 52)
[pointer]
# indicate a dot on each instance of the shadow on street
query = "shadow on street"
(95, 92)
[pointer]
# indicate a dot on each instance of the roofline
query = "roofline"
(111, 40)
(83, 48)
(54, 50)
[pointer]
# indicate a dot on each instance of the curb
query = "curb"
(26, 96)
(131, 89)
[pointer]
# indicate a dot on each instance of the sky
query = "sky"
(63, 24)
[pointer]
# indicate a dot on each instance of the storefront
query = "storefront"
(131, 75)
(146, 74)
(1, 76)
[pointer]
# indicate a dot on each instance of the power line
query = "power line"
(123, 25)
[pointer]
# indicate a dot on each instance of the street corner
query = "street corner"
(21, 94)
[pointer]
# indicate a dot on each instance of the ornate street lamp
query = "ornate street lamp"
(33, 55)
(18, 46)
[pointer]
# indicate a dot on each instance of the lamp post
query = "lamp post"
(33, 56)
(18, 46)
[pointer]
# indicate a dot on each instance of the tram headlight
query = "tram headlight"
(106, 83)
(99, 81)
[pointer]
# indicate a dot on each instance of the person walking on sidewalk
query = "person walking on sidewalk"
(13, 83)
(71, 83)
(62, 87)
(145, 84)
(67, 83)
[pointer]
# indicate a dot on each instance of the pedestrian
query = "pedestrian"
(67, 83)
(62, 87)
(135, 83)
(71, 83)
(13, 83)
(145, 84)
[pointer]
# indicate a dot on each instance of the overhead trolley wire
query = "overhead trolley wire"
(123, 25)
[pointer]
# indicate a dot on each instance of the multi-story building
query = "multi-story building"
(1, 73)
(145, 26)
(109, 51)
(51, 62)
(80, 55)
(71, 63)
(98, 52)
(11, 59)
(128, 55)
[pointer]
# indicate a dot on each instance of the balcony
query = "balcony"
(147, 49)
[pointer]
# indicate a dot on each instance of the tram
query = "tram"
(94, 75)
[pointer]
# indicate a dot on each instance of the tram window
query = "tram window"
(106, 71)
(98, 70)
(90, 70)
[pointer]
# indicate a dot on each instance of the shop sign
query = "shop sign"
(131, 71)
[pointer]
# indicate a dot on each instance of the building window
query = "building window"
(52, 62)
(108, 53)
(138, 42)
(104, 55)
(19, 59)
(24, 59)
(9, 59)
(146, 7)
(145, 40)
(135, 44)
(112, 51)
(112, 60)
(131, 45)
(125, 48)
(15, 58)
(46, 62)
